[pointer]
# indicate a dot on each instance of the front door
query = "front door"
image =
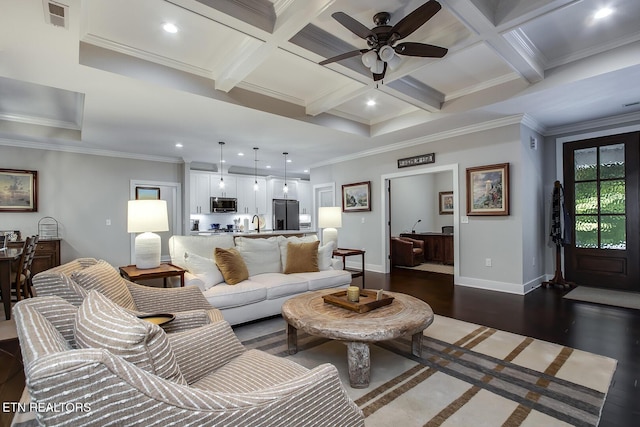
(601, 194)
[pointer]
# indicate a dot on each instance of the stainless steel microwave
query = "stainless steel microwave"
(224, 204)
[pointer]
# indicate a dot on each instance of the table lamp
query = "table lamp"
(147, 216)
(330, 218)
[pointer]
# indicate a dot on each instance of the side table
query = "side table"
(344, 252)
(163, 271)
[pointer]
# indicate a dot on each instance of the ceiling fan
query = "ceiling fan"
(383, 39)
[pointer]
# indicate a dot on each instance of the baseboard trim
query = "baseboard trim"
(492, 285)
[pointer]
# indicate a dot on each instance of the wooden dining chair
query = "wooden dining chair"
(28, 285)
(20, 275)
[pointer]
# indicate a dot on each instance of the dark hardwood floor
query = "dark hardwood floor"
(541, 314)
(545, 315)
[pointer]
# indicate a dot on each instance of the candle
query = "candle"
(353, 293)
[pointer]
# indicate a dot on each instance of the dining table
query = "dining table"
(8, 257)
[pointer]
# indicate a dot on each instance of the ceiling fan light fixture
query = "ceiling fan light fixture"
(378, 67)
(394, 62)
(369, 59)
(386, 53)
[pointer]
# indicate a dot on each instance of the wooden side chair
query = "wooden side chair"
(32, 252)
(20, 276)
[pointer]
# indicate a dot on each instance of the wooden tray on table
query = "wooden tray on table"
(368, 300)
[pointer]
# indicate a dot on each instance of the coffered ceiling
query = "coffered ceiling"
(246, 72)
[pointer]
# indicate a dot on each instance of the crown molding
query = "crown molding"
(85, 150)
(465, 130)
(144, 55)
(592, 124)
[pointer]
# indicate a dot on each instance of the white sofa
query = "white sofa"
(267, 288)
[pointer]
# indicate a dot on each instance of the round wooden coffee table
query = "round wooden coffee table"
(309, 313)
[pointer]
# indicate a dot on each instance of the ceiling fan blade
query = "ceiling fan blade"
(420, 49)
(352, 25)
(415, 19)
(380, 76)
(342, 56)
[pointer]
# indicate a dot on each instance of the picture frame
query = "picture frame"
(356, 197)
(445, 202)
(488, 190)
(147, 193)
(18, 190)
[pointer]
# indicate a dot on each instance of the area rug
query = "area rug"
(605, 296)
(468, 375)
(434, 268)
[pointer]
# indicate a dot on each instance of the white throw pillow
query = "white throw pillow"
(204, 269)
(325, 253)
(260, 255)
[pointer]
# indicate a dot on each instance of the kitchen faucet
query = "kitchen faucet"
(257, 219)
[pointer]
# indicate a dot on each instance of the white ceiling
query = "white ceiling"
(246, 72)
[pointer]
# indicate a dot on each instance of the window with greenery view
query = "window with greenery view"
(600, 210)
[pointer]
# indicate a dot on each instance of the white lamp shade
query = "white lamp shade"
(145, 216)
(330, 217)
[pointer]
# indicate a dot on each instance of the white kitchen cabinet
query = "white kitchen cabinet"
(305, 197)
(250, 201)
(200, 192)
(277, 185)
(229, 189)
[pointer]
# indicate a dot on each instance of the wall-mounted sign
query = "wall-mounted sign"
(422, 159)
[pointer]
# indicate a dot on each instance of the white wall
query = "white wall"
(417, 197)
(498, 238)
(412, 199)
(81, 192)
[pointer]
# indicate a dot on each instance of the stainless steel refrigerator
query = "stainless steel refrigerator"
(286, 214)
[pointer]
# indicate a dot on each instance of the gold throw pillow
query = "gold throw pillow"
(302, 257)
(231, 265)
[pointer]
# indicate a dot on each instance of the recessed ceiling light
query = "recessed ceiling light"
(603, 13)
(170, 27)
(371, 103)
(288, 160)
(268, 166)
(179, 145)
(306, 171)
(240, 154)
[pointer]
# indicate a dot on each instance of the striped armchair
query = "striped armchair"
(72, 281)
(217, 381)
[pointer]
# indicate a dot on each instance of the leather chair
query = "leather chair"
(406, 251)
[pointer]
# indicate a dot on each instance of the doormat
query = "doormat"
(605, 296)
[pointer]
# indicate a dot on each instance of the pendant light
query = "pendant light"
(221, 162)
(255, 169)
(285, 189)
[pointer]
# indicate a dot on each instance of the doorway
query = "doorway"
(601, 177)
(386, 202)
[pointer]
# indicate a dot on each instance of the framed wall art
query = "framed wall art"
(18, 190)
(445, 202)
(147, 193)
(356, 197)
(488, 190)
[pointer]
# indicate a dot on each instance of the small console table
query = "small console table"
(163, 271)
(343, 252)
